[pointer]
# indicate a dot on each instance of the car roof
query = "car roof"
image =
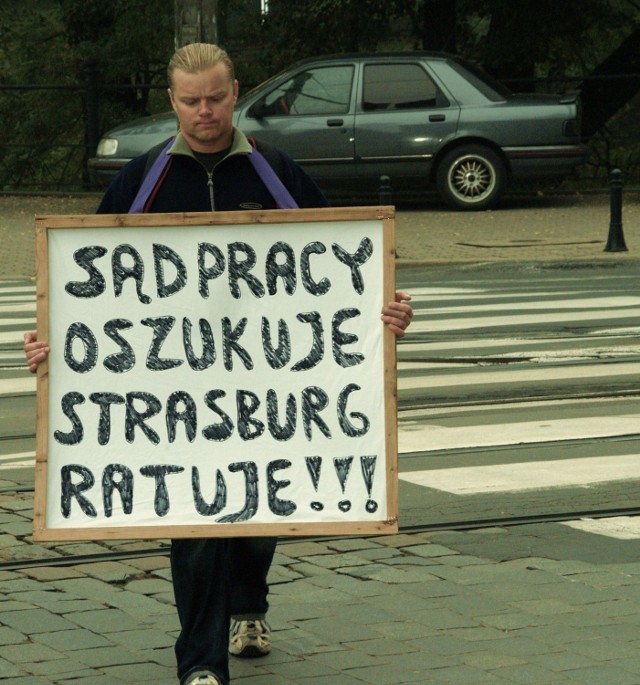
(360, 56)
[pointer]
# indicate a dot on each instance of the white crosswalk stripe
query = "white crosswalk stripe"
(620, 527)
(17, 460)
(529, 475)
(421, 431)
(490, 348)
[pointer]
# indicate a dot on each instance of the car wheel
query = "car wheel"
(471, 177)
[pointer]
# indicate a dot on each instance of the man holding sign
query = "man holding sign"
(220, 584)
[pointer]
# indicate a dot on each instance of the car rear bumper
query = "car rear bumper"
(544, 162)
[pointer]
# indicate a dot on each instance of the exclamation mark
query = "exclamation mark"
(314, 465)
(342, 466)
(368, 464)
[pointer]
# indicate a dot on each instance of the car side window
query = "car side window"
(322, 90)
(399, 86)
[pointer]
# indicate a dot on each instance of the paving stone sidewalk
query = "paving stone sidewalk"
(536, 604)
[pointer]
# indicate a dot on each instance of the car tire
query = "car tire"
(471, 177)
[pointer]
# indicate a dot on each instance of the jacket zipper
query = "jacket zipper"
(210, 184)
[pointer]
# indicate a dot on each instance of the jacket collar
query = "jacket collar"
(240, 145)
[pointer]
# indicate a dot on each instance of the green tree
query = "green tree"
(131, 43)
(316, 27)
(43, 138)
(544, 38)
(34, 51)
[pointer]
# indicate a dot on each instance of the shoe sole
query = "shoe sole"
(249, 652)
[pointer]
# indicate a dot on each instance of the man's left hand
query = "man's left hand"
(398, 314)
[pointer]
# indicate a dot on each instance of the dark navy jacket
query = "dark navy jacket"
(236, 185)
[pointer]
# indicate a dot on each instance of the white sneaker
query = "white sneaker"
(249, 638)
(202, 678)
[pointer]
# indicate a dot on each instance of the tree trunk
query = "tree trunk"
(602, 97)
(195, 22)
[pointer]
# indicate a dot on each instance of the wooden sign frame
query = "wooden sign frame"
(84, 438)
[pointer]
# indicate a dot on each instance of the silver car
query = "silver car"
(421, 119)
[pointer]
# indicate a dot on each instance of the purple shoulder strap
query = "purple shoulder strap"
(150, 180)
(280, 194)
(269, 177)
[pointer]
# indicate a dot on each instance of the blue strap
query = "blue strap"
(275, 186)
(150, 181)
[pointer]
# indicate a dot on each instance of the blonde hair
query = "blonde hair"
(196, 57)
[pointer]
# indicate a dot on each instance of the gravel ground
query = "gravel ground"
(17, 215)
(528, 228)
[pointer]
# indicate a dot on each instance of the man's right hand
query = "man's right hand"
(35, 350)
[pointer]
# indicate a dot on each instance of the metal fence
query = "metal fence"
(50, 131)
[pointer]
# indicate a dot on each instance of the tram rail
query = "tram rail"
(475, 524)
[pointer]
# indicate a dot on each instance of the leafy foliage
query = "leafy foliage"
(48, 48)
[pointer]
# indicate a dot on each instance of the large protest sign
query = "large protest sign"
(216, 374)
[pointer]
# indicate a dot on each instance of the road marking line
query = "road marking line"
(18, 455)
(18, 465)
(7, 337)
(462, 323)
(442, 294)
(509, 343)
(16, 308)
(17, 386)
(23, 322)
(579, 304)
(620, 527)
(512, 375)
(13, 287)
(471, 480)
(416, 436)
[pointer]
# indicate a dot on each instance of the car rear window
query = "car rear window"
(397, 86)
(491, 88)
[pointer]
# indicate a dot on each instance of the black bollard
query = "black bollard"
(384, 191)
(615, 241)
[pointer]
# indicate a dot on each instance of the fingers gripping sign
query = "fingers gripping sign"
(36, 351)
(397, 315)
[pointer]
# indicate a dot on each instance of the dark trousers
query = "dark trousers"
(213, 579)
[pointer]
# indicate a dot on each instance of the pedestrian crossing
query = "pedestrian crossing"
(486, 366)
(17, 315)
(17, 460)
(507, 365)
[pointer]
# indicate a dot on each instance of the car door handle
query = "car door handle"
(335, 122)
(437, 117)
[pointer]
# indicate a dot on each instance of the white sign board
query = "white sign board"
(216, 374)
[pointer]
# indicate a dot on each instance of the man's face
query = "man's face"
(204, 103)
